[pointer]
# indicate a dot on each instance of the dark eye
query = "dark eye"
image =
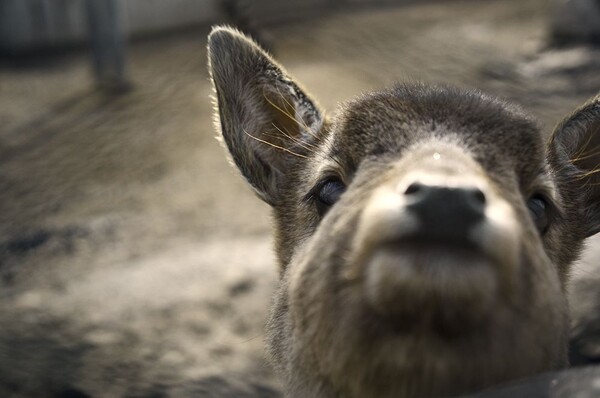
(538, 208)
(328, 193)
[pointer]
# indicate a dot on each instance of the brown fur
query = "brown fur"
(346, 320)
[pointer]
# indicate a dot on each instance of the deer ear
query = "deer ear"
(574, 153)
(267, 122)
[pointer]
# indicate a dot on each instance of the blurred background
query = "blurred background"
(134, 261)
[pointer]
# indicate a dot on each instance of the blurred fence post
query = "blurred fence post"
(575, 21)
(107, 41)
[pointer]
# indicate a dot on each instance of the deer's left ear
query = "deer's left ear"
(574, 154)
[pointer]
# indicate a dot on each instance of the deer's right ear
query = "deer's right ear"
(267, 122)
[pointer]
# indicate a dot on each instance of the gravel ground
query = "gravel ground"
(134, 262)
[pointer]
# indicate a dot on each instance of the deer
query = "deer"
(423, 233)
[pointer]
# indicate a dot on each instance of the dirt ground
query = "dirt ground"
(134, 261)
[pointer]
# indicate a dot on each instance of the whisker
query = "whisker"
(251, 338)
(583, 156)
(583, 148)
(589, 173)
(306, 127)
(285, 112)
(305, 145)
(275, 146)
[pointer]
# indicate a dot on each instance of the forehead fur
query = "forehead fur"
(388, 121)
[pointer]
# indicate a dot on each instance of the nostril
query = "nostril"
(413, 188)
(478, 195)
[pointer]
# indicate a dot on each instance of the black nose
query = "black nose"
(445, 213)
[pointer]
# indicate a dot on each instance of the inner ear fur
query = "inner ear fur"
(266, 120)
(574, 150)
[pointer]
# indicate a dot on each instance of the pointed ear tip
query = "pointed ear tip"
(224, 36)
(219, 36)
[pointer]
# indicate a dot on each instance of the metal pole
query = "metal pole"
(106, 37)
